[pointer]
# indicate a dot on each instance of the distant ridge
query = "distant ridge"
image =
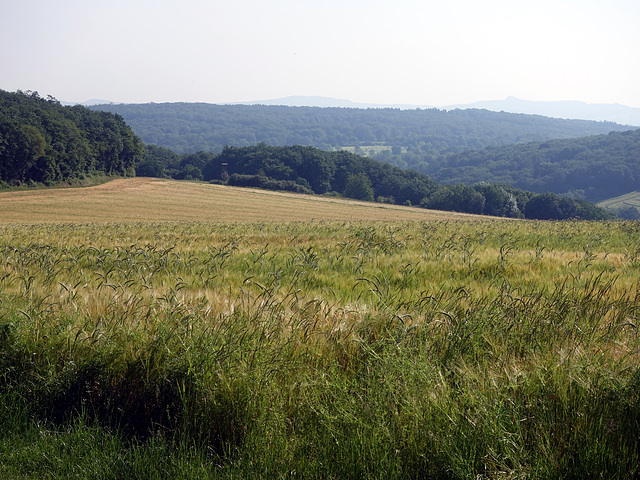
(191, 127)
(324, 102)
(97, 101)
(90, 103)
(599, 112)
(556, 109)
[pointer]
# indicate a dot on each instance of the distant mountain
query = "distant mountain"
(599, 112)
(97, 101)
(560, 109)
(89, 103)
(326, 102)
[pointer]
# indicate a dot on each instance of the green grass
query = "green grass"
(320, 350)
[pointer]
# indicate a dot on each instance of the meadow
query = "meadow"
(425, 348)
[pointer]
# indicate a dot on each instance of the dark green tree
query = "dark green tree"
(189, 172)
(158, 162)
(359, 187)
(550, 206)
(456, 198)
(498, 201)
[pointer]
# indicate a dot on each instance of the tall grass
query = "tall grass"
(322, 350)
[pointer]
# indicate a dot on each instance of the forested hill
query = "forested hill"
(422, 135)
(45, 142)
(594, 168)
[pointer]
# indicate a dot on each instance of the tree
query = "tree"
(189, 172)
(457, 198)
(497, 201)
(544, 207)
(316, 167)
(359, 187)
(22, 147)
(628, 212)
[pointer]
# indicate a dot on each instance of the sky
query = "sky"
(421, 52)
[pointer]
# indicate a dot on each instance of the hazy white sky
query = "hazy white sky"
(378, 51)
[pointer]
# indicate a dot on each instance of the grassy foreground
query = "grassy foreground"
(433, 349)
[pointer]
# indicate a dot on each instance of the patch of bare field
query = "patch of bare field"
(148, 199)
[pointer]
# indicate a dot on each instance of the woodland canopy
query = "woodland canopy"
(45, 142)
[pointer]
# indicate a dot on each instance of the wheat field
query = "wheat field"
(161, 329)
(147, 199)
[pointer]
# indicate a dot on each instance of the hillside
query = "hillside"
(424, 134)
(158, 200)
(599, 112)
(595, 168)
(626, 206)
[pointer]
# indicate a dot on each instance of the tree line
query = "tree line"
(42, 141)
(310, 170)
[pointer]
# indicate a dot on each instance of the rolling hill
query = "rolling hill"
(158, 200)
(599, 112)
(626, 206)
(595, 168)
(425, 134)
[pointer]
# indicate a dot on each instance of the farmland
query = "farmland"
(628, 201)
(307, 338)
(156, 200)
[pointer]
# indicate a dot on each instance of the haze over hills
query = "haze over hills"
(326, 102)
(557, 109)
(594, 168)
(600, 112)
(89, 103)
(565, 109)
(429, 133)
